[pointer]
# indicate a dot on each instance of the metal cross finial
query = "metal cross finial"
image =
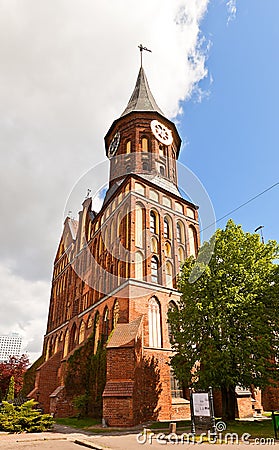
(88, 193)
(141, 47)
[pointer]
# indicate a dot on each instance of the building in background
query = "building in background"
(10, 345)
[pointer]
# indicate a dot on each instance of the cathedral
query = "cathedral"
(115, 272)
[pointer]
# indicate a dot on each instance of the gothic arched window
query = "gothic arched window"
(181, 257)
(81, 333)
(154, 245)
(139, 266)
(73, 336)
(106, 324)
(167, 250)
(154, 269)
(96, 331)
(172, 306)
(115, 313)
(178, 232)
(144, 144)
(139, 226)
(154, 323)
(66, 344)
(166, 228)
(128, 147)
(192, 241)
(153, 222)
(169, 281)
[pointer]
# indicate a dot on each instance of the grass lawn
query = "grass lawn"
(257, 428)
(84, 422)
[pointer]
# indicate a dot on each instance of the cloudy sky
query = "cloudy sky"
(67, 71)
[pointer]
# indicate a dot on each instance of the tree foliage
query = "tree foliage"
(11, 390)
(86, 378)
(225, 330)
(16, 419)
(15, 367)
(30, 376)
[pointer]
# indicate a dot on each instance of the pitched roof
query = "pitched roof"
(125, 334)
(119, 389)
(142, 98)
(73, 225)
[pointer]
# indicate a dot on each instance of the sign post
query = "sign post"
(202, 411)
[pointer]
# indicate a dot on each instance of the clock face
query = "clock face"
(114, 145)
(161, 132)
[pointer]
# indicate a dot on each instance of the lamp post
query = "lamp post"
(261, 232)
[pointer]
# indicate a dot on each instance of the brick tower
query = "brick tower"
(115, 272)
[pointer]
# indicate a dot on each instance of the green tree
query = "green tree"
(225, 331)
(11, 390)
(16, 366)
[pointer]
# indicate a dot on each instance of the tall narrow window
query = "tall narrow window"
(127, 266)
(126, 221)
(106, 325)
(192, 241)
(96, 331)
(181, 257)
(66, 344)
(115, 313)
(178, 232)
(169, 281)
(154, 245)
(166, 228)
(73, 336)
(81, 333)
(144, 144)
(128, 147)
(154, 322)
(172, 306)
(152, 222)
(139, 226)
(154, 269)
(139, 266)
(167, 250)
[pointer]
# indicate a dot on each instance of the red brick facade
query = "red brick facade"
(116, 270)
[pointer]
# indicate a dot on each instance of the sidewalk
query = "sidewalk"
(58, 433)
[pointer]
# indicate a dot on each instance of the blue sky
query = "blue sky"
(232, 133)
(67, 72)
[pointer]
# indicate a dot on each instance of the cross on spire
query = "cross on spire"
(141, 50)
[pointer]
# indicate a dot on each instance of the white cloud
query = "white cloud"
(24, 307)
(68, 69)
(232, 10)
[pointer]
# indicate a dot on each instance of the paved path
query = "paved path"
(66, 438)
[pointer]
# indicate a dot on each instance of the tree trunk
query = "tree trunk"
(228, 402)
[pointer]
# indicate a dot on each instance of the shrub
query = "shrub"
(16, 419)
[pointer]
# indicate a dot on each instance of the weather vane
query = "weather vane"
(141, 47)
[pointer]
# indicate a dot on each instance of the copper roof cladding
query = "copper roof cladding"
(142, 98)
